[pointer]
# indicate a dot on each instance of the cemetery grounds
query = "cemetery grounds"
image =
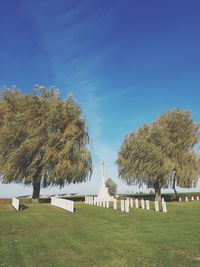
(43, 235)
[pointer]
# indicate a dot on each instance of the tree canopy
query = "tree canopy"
(43, 139)
(162, 153)
(112, 186)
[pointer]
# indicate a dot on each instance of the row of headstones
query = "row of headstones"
(145, 204)
(125, 204)
(192, 198)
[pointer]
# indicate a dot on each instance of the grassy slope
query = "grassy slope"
(43, 235)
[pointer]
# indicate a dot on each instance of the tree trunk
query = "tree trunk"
(36, 183)
(36, 189)
(157, 192)
(174, 187)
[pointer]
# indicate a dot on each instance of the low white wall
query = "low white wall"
(15, 203)
(63, 203)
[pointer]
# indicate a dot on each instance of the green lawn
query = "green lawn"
(43, 235)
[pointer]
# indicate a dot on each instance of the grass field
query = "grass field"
(43, 235)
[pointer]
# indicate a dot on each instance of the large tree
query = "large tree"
(43, 139)
(112, 186)
(162, 153)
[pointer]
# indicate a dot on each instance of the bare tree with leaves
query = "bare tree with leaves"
(162, 153)
(43, 139)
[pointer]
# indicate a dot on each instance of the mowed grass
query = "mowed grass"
(43, 235)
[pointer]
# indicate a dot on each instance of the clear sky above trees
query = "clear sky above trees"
(126, 62)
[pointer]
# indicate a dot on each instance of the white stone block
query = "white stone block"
(147, 205)
(122, 204)
(192, 198)
(136, 203)
(156, 205)
(179, 199)
(164, 207)
(63, 203)
(186, 199)
(115, 204)
(197, 198)
(127, 205)
(15, 204)
(104, 203)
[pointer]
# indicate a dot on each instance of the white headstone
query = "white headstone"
(197, 198)
(122, 204)
(164, 207)
(127, 205)
(142, 204)
(15, 204)
(131, 203)
(180, 199)
(107, 204)
(104, 203)
(115, 204)
(192, 198)
(147, 205)
(163, 200)
(136, 203)
(156, 205)
(186, 199)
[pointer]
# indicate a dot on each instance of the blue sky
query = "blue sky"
(125, 62)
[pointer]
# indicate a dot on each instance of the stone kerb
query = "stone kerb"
(15, 204)
(63, 203)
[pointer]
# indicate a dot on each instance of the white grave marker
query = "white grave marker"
(15, 204)
(156, 205)
(197, 198)
(122, 204)
(136, 203)
(115, 204)
(142, 204)
(147, 205)
(179, 199)
(107, 204)
(164, 207)
(192, 198)
(127, 205)
(131, 203)
(186, 199)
